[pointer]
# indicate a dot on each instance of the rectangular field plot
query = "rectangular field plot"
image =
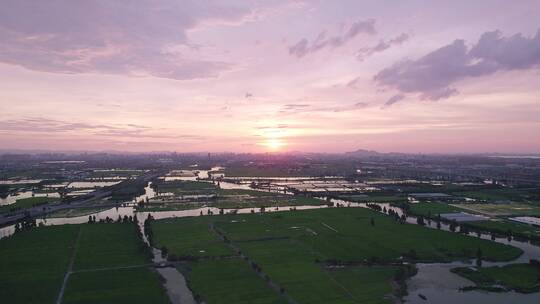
(136, 285)
(188, 237)
(110, 265)
(503, 209)
(109, 245)
(230, 281)
(33, 263)
(366, 284)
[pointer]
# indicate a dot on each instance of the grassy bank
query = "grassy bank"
(524, 278)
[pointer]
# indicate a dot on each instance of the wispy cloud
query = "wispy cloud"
(52, 126)
(307, 108)
(304, 47)
(394, 99)
(366, 52)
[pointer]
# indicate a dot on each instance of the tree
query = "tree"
(164, 252)
(479, 257)
(412, 254)
(453, 226)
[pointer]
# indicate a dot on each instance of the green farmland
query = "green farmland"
(432, 209)
(524, 278)
(217, 281)
(35, 260)
(109, 265)
(300, 251)
(28, 203)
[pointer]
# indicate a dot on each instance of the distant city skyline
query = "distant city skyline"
(270, 76)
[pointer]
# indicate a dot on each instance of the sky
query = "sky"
(270, 76)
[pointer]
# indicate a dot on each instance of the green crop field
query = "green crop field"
(503, 226)
(218, 281)
(137, 285)
(503, 209)
(373, 279)
(432, 209)
(510, 194)
(186, 187)
(109, 245)
(33, 264)
(293, 249)
(29, 202)
(523, 278)
(188, 237)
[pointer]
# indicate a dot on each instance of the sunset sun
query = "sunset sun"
(274, 144)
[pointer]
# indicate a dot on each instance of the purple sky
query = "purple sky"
(248, 76)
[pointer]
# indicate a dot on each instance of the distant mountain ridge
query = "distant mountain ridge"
(363, 153)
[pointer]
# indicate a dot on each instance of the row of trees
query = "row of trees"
(26, 224)
(125, 219)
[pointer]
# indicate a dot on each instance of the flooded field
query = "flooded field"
(12, 198)
(91, 184)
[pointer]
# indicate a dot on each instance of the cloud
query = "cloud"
(303, 46)
(300, 49)
(306, 108)
(295, 106)
(41, 125)
(363, 53)
(111, 37)
(392, 100)
(433, 75)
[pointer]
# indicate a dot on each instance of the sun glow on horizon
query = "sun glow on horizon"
(273, 144)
